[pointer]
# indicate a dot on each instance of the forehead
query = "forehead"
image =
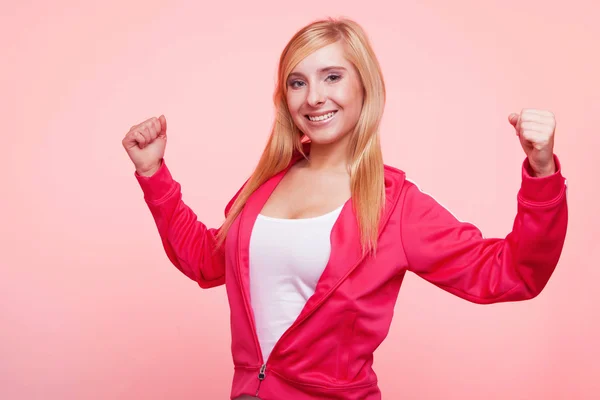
(330, 55)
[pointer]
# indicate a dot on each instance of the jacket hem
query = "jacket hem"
(276, 386)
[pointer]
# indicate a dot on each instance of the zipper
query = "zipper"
(241, 285)
(261, 377)
(261, 374)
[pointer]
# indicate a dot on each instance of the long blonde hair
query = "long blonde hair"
(366, 168)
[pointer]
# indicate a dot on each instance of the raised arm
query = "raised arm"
(189, 244)
(456, 257)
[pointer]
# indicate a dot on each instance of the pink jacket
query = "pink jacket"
(328, 351)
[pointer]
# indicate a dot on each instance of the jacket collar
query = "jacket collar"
(346, 251)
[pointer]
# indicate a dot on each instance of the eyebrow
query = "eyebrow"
(320, 70)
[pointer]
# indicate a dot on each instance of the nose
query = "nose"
(316, 95)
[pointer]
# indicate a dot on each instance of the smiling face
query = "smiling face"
(325, 95)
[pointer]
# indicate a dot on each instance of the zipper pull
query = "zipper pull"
(261, 374)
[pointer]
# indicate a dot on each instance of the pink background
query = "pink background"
(92, 309)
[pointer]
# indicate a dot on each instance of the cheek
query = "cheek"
(294, 103)
(348, 97)
(357, 101)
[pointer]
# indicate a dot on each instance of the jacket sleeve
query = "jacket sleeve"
(188, 243)
(454, 255)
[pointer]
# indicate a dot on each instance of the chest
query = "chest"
(303, 194)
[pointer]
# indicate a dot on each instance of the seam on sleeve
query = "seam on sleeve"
(547, 203)
(402, 228)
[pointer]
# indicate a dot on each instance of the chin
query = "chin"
(326, 138)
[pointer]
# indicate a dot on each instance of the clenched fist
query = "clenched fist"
(535, 129)
(145, 144)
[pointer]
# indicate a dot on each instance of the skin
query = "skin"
(535, 130)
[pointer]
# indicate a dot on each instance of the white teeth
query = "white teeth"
(322, 117)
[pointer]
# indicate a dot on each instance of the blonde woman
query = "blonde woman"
(316, 243)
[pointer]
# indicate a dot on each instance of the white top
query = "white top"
(287, 258)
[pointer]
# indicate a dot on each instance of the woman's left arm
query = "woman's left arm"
(455, 256)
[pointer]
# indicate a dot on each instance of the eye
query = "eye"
(295, 84)
(334, 77)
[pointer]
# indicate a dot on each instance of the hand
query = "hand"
(535, 129)
(145, 144)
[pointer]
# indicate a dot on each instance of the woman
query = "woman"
(316, 243)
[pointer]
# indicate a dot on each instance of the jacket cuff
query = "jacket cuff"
(158, 185)
(541, 189)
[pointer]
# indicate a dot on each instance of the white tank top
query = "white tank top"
(287, 258)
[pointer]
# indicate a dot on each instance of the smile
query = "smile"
(321, 118)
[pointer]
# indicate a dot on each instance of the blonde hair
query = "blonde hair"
(366, 160)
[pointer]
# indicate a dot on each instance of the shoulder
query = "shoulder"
(393, 174)
(401, 191)
(391, 170)
(396, 177)
(404, 192)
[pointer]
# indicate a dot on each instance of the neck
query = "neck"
(330, 156)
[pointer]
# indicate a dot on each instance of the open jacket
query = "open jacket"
(328, 350)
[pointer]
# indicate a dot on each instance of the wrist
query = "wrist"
(149, 171)
(545, 171)
(537, 169)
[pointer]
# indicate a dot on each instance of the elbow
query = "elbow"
(206, 281)
(522, 291)
(207, 284)
(533, 285)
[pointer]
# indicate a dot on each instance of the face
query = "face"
(325, 95)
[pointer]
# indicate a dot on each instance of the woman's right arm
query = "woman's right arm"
(189, 244)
